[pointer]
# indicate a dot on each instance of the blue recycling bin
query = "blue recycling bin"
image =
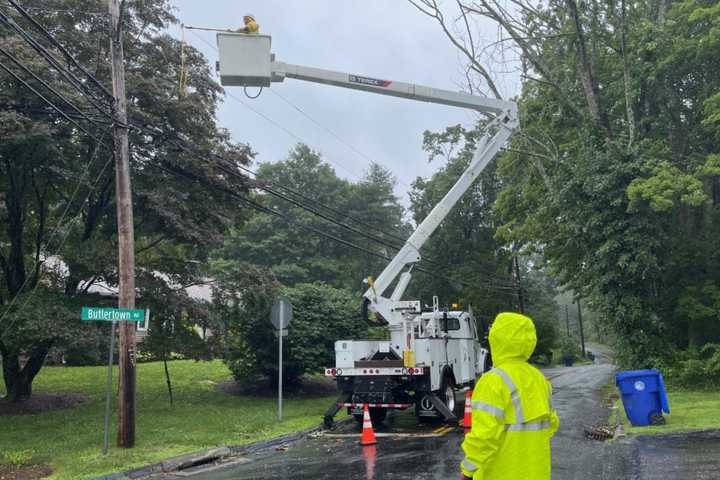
(643, 395)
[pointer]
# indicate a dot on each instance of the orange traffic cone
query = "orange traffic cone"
(467, 419)
(368, 434)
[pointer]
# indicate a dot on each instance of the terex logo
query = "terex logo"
(375, 82)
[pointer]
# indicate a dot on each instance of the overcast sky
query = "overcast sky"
(378, 38)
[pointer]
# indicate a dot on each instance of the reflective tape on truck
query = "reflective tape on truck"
(375, 405)
(359, 372)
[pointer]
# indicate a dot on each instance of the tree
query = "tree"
(300, 255)
(614, 176)
(56, 188)
(474, 266)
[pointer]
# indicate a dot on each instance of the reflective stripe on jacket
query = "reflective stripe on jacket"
(512, 415)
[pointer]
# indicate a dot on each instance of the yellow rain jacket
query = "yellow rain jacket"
(250, 27)
(512, 415)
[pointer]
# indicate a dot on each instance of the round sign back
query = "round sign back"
(281, 313)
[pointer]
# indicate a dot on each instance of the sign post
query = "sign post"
(281, 315)
(113, 315)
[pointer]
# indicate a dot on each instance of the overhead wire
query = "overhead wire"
(55, 64)
(299, 203)
(19, 64)
(68, 56)
(54, 232)
(257, 206)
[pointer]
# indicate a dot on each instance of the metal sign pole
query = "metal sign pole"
(280, 355)
(108, 391)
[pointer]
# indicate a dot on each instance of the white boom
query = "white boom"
(246, 60)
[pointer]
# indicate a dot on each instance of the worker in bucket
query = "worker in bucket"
(512, 415)
(251, 25)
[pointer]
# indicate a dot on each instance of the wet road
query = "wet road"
(410, 451)
(691, 456)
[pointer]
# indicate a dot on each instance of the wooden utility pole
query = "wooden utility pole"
(521, 301)
(126, 234)
(567, 321)
(582, 334)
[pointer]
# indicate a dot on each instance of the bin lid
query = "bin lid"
(630, 374)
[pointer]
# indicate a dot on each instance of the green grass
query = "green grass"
(689, 410)
(70, 441)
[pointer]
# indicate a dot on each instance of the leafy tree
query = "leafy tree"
(56, 183)
(472, 265)
(614, 177)
(297, 255)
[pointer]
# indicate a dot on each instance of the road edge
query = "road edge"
(212, 455)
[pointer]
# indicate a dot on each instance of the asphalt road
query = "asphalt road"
(410, 451)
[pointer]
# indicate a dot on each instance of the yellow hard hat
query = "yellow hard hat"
(249, 15)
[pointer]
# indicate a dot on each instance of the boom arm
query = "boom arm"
(245, 60)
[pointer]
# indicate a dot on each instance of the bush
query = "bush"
(569, 348)
(321, 315)
(695, 368)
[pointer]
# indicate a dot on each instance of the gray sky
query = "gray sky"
(377, 38)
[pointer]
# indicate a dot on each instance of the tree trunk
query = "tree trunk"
(18, 381)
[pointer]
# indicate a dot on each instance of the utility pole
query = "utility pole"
(582, 335)
(126, 234)
(521, 302)
(567, 320)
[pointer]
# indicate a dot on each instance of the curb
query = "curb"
(212, 455)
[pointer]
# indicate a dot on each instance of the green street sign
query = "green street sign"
(112, 314)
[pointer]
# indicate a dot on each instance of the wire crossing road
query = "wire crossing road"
(408, 451)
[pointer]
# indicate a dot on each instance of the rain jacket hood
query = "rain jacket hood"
(512, 337)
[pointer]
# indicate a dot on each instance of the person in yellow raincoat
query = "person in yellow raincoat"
(512, 415)
(251, 25)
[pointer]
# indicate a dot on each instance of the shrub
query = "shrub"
(695, 368)
(569, 348)
(321, 315)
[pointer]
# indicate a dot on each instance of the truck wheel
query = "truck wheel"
(447, 392)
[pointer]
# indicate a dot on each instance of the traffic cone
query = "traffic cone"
(368, 434)
(467, 419)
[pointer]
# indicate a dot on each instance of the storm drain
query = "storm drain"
(600, 432)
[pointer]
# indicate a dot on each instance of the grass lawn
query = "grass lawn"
(70, 441)
(689, 410)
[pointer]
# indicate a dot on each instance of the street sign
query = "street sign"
(281, 313)
(112, 314)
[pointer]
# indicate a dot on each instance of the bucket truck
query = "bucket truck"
(431, 352)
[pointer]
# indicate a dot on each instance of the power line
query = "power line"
(54, 107)
(48, 87)
(53, 62)
(68, 56)
(372, 237)
(54, 232)
(287, 219)
(335, 221)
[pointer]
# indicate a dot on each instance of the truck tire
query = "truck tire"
(446, 393)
